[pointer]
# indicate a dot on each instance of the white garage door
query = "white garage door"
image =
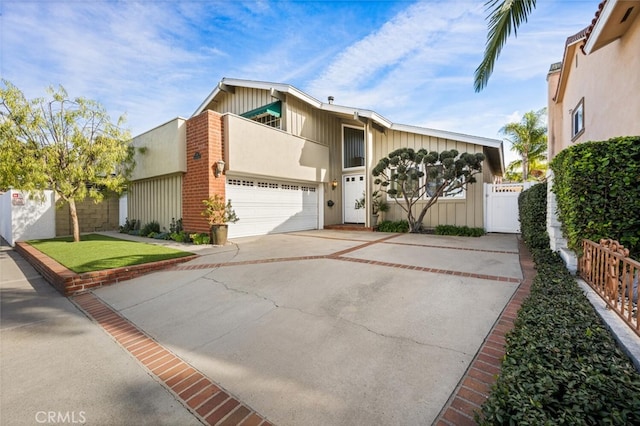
(269, 206)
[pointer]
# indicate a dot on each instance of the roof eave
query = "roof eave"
(445, 134)
(611, 22)
(569, 51)
(350, 111)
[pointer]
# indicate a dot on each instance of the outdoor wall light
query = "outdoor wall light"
(334, 184)
(218, 168)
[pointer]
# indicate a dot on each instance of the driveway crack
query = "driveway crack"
(338, 318)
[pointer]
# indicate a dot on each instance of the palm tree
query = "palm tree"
(528, 139)
(504, 16)
(537, 170)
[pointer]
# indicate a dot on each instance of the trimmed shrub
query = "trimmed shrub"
(150, 229)
(597, 187)
(532, 210)
(461, 231)
(561, 364)
(389, 226)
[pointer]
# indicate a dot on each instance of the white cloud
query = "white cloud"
(412, 33)
(411, 62)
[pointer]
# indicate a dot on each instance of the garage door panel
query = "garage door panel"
(266, 206)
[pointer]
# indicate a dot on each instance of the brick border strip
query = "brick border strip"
(337, 256)
(432, 270)
(474, 387)
(70, 283)
(204, 399)
(454, 248)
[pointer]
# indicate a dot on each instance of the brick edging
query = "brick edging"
(209, 402)
(474, 387)
(70, 283)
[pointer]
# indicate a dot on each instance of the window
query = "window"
(268, 115)
(411, 184)
(268, 120)
(577, 120)
(434, 184)
(352, 147)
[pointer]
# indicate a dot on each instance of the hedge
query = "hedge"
(597, 187)
(532, 211)
(561, 365)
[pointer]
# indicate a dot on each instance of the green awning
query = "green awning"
(274, 109)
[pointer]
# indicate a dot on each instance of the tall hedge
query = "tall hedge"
(532, 209)
(562, 366)
(597, 187)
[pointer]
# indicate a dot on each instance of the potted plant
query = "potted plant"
(378, 205)
(219, 214)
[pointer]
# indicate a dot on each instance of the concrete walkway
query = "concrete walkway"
(59, 368)
(318, 327)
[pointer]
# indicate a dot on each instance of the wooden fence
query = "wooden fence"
(608, 269)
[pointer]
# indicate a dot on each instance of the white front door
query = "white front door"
(353, 189)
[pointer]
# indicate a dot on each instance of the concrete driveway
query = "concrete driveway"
(330, 327)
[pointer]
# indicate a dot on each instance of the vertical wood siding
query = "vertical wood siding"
(460, 212)
(303, 120)
(245, 99)
(158, 199)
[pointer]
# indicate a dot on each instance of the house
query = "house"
(287, 161)
(593, 92)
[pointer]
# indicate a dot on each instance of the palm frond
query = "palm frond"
(504, 17)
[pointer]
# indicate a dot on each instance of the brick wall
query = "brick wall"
(69, 283)
(204, 148)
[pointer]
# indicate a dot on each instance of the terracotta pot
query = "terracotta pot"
(219, 234)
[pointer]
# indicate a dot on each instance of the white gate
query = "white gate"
(501, 206)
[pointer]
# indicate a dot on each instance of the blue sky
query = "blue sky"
(412, 62)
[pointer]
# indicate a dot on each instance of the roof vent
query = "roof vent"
(330, 98)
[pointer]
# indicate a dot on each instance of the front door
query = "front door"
(353, 188)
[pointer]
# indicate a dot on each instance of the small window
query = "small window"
(269, 115)
(433, 185)
(352, 147)
(412, 184)
(577, 120)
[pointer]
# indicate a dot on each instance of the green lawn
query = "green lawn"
(97, 252)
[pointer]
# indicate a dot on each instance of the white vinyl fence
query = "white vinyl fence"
(501, 206)
(23, 217)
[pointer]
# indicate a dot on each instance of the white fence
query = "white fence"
(501, 206)
(23, 217)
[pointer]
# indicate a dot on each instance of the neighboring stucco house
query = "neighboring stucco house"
(287, 161)
(594, 93)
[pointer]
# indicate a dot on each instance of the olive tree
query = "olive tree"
(410, 176)
(67, 145)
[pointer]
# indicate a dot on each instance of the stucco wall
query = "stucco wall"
(554, 116)
(161, 151)
(609, 81)
(23, 217)
(256, 149)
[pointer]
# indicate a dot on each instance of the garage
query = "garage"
(271, 206)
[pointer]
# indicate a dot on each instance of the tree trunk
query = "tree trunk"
(74, 219)
(525, 169)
